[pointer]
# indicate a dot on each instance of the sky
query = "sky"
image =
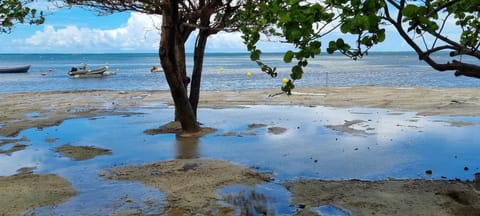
(78, 30)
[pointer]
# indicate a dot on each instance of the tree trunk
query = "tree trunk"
(198, 56)
(182, 35)
(197, 69)
(183, 32)
(182, 69)
(168, 58)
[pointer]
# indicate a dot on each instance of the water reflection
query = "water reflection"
(187, 147)
(315, 144)
(392, 145)
(267, 199)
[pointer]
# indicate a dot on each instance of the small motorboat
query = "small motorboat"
(83, 72)
(19, 69)
(94, 75)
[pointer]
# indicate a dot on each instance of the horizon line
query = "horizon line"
(188, 53)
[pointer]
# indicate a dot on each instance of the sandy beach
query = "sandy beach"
(21, 111)
(27, 110)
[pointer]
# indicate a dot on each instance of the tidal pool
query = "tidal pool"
(292, 142)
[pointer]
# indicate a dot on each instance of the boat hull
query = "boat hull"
(94, 75)
(98, 71)
(19, 69)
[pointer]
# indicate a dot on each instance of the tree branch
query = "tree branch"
(436, 10)
(468, 52)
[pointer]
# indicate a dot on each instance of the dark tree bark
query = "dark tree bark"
(181, 36)
(168, 56)
(198, 55)
(205, 30)
(197, 69)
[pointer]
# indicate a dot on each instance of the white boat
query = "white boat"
(84, 71)
(93, 75)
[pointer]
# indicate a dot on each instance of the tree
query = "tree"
(301, 23)
(14, 12)
(420, 23)
(180, 19)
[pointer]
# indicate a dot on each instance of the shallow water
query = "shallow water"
(378, 144)
(133, 72)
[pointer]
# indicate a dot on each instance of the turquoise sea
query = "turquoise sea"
(401, 69)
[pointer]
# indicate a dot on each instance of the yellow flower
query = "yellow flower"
(284, 80)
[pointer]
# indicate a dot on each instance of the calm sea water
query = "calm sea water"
(384, 69)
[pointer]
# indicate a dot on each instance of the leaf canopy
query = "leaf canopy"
(14, 12)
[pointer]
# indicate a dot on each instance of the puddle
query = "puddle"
(332, 210)
(402, 145)
(100, 197)
(266, 199)
(32, 115)
(35, 115)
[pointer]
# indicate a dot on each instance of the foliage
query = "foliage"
(14, 11)
(296, 21)
(301, 23)
(420, 23)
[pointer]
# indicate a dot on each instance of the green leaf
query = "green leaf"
(315, 47)
(330, 50)
(410, 10)
(303, 63)
(285, 18)
(345, 27)
(288, 87)
(418, 30)
(332, 46)
(287, 58)
(340, 43)
(381, 35)
(255, 55)
(293, 32)
(297, 72)
(316, 44)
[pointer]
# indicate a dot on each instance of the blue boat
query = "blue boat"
(19, 69)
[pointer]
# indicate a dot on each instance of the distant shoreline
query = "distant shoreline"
(227, 71)
(207, 53)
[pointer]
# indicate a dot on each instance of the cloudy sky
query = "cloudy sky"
(78, 30)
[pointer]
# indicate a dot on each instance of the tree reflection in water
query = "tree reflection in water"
(187, 147)
(249, 201)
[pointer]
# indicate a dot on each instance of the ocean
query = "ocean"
(398, 69)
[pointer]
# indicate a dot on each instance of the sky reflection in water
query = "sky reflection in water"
(381, 144)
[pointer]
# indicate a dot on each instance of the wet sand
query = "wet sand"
(190, 184)
(25, 190)
(390, 197)
(28, 110)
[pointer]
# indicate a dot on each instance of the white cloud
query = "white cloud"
(232, 42)
(227, 42)
(138, 34)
